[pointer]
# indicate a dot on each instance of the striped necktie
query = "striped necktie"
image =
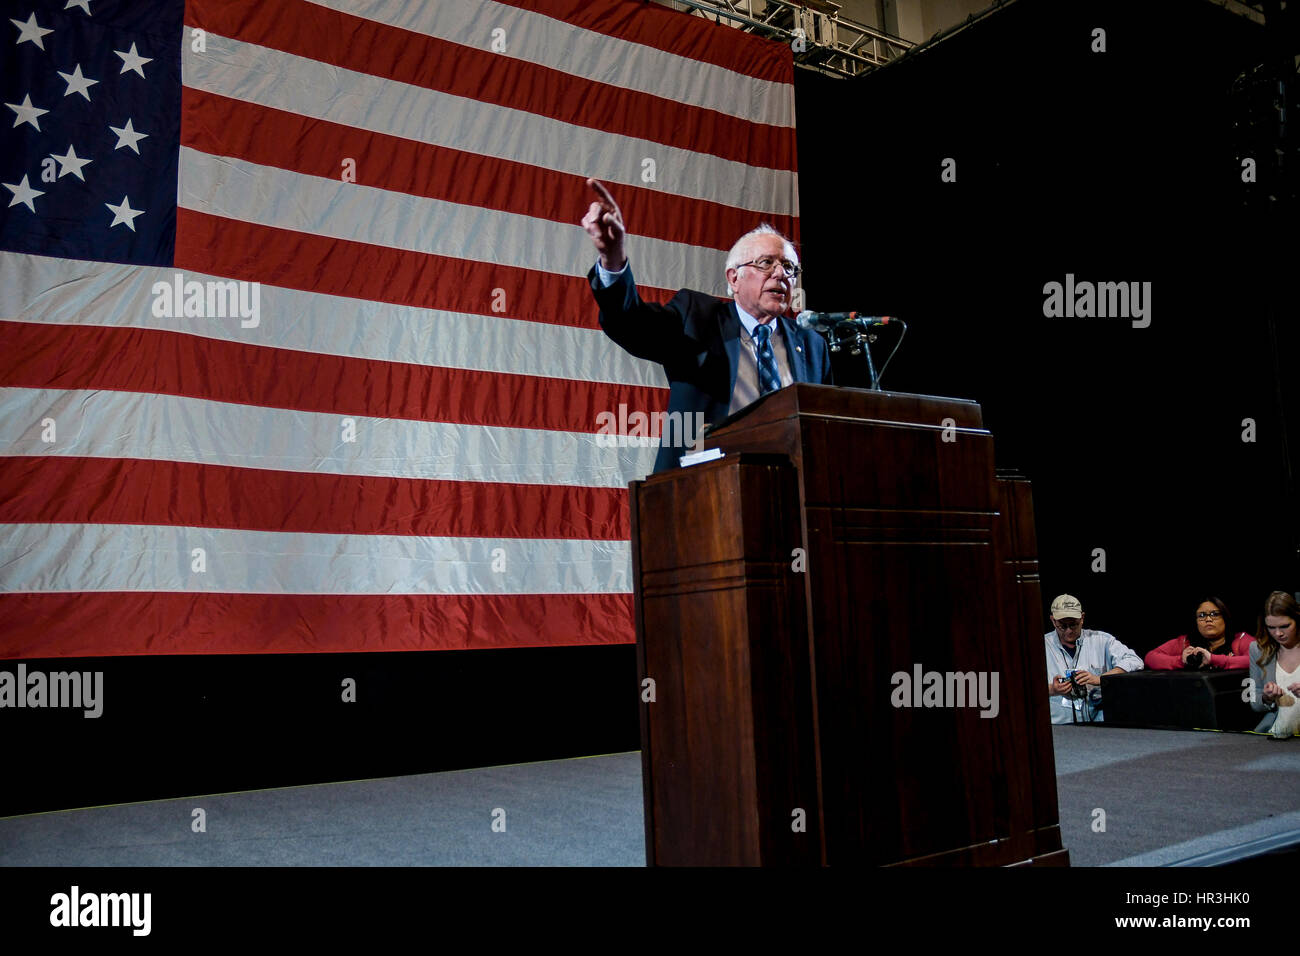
(769, 380)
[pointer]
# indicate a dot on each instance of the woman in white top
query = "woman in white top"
(1275, 666)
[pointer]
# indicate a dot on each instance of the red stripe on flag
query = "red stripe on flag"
(673, 31)
(339, 39)
(359, 270)
(175, 363)
(269, 137)
(60, 489)
(111, 623)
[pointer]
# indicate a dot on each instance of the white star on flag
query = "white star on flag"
(26, 112)
(31, 30)
(133, 61)
(122, 213)
(69, 162)
(84, 4)
(127, 136)
(77, 83)
(23, 193)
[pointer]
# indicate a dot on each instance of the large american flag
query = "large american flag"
(400, 451)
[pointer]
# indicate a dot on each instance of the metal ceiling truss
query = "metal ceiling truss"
(821, 38)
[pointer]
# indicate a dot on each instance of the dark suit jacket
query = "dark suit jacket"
(696, 338)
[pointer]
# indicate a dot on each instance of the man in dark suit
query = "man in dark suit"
(719, 356)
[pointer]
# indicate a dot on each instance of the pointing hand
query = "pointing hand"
(604, 223)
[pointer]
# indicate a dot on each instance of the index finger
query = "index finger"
(602, 192)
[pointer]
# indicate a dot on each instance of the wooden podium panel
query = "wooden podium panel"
(727, 758)
(1018, 547)
(915, 563)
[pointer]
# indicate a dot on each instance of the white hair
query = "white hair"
(735, 257)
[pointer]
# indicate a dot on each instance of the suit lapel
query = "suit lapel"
(729, 319)
(794, 350)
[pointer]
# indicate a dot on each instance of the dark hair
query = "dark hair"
(1277, 604)
(1194, 635)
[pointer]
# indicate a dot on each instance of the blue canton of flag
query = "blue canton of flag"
(92, 95)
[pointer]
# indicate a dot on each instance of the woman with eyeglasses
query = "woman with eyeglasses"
(1205, 647)
(1275, 666)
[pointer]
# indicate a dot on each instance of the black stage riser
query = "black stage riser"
(175, 726)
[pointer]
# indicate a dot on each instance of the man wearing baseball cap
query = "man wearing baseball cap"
(1084, 656)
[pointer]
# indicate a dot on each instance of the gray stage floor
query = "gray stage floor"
(1167, 796)
(1170, 795)
(558, 813)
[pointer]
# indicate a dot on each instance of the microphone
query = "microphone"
(850, 330)
(828, 320)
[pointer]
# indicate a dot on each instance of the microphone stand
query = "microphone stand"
(853, 333)
(856, 333)
(871, 366)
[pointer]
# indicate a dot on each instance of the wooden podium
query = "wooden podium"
(791, 599)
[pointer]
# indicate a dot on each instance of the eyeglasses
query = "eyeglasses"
(1208, 615)
(768, 264)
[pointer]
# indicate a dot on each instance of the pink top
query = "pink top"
(1169, 655)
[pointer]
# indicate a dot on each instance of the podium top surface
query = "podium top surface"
(830, 401)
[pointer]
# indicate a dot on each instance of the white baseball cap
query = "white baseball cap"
(1067, 605)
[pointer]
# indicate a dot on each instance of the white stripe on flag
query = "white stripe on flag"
(112, 424)
(295, 84)
(94, 557)
(78, 292)
(588, 54)
(270, 196)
